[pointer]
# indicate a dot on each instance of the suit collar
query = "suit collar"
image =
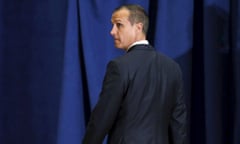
(137, 43)
(140, 47)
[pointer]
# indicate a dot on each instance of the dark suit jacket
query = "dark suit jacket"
(141, 101)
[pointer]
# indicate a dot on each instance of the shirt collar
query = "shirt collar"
(138, 42)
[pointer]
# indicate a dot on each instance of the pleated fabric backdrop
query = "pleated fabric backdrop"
(53, 56)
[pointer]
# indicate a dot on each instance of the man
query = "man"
(141, 101)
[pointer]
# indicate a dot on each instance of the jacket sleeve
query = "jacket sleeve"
(178, 123)
(107, 107)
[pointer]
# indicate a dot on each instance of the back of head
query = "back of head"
(137, 15)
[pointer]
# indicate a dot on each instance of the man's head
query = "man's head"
(130, 24)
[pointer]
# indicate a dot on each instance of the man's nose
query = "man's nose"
(113, 31)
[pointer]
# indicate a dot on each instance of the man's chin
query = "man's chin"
(117, 46)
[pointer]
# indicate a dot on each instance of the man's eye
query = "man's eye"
(118, 24)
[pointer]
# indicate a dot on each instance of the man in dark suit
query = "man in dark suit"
(141, 101)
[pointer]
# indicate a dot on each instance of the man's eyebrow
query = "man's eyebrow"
(117, 20)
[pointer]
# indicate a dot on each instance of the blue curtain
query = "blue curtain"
(53, 56)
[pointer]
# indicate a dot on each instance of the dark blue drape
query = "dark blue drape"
(32, 56)
(53, 56)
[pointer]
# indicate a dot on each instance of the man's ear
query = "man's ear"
(139, 27)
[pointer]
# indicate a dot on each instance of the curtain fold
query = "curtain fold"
(71, 124)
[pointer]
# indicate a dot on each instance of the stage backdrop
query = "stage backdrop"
(53, 56)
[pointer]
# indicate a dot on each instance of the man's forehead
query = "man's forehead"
(120, 14)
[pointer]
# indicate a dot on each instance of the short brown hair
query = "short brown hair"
(137, 14)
